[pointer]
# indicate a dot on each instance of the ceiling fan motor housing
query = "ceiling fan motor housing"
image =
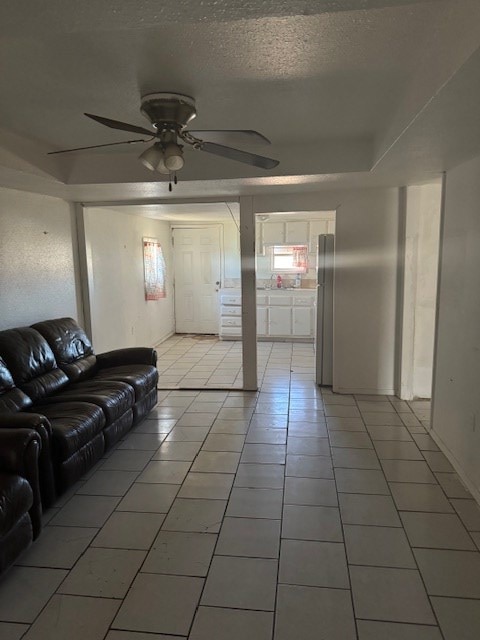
(168, 110)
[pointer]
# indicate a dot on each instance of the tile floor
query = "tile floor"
(291, 514)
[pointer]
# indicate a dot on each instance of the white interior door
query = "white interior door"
(197, 270)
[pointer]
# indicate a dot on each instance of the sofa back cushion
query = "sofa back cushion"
(11, 398)
(31, 362)
(70, 344)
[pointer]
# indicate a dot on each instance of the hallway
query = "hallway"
(292, 514)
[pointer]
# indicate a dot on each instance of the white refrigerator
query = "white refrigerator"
(324, 328)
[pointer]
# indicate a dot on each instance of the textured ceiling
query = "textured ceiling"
(338, 86)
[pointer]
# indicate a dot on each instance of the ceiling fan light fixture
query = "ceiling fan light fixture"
(152, 156)
(173, 155)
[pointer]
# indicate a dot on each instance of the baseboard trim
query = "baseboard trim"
(166, 336)
(360, 391)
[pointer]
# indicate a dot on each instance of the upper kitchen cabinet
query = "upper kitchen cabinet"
(273, 233)
(296, 232)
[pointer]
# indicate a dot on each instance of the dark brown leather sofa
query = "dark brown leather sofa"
(20, 507)
(79, 403)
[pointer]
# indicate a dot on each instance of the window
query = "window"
(289, 258)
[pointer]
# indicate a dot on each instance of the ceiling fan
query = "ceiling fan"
(170, 114)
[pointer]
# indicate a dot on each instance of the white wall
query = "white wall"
(365, 298)
(456, 393)
(421, 244)
(121, 317)
(37, 259)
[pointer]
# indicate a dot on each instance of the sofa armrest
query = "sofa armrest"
(19, 452)
(43, 428)
(131, 355)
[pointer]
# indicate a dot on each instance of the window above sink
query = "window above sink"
(288, 258)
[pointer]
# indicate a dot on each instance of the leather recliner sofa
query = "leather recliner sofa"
(79, 403)
(20, 507)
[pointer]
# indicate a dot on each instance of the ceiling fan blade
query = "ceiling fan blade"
(95, 146)
(240, 156)
(230, 136)
(123, 126)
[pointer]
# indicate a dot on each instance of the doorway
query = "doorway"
(197, 277)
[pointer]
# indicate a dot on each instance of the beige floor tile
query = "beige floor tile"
(361, 481)
(450, 573)
(212, 623)
(182, 433)
(307, 429)
(382, 419)
(314, 564)
(125, 530)
(309, 467)
(260, 476)
(224, 442)
(178, 451)
(203, 516)
(215, 486)
(378, 546)
(408, 471)
(311, 523)
(437, 461)
(269, 421)
(345, 424)
(425, 442)
(85, 511)
(308, 446)
(249, 537)
(127, 461)
(397, 450)
(310, 491)
(352, 458)
(303, 611)
(241, 583)
(216, 461)
(436, 530)
(164, 471)
(103, 573)
(232, 427)
(341, 411)
(410, 496)
(263, 454)
(267, 436)
(370, 510)
(26, 590)
(160, 604)
(453, 486)
(469, 513)
(351, 439)
(180, 553)
(382, 432)
(382, 405)
(395, 595)
(142, 441)
(151, 498)
(12, 631)
(75, 618)
(255, 503)
(458, 619)
(108, 483)
(58, 547)
(371, 630)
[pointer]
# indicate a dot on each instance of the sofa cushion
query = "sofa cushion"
(70, 344)
(114, 398)
(31, 362)
(74, 424)
(142, 377)
(16, 498)
(11, 398)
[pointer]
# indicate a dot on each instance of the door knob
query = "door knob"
(217, 283)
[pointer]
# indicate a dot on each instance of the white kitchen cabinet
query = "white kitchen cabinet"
(273, 233)
(262, 319)
(280, 321)
(302, 325)
(296, 232)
